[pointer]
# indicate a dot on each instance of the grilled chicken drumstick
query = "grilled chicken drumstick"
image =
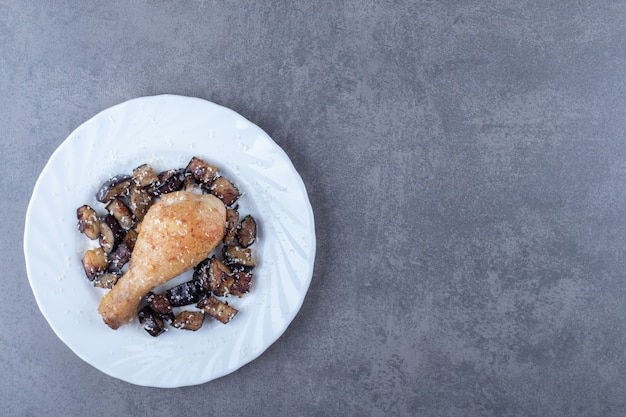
(177, 233)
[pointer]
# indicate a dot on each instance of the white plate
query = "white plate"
(166, 131)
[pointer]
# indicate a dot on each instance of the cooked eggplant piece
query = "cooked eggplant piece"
(167, 317)
(111, 233)
(225, 191)
(201, 276)
(183, 294)
(121, 212)
(88, 221)
(202, 171)
(217, 309)
(95, 263)
(116, 186)
(220, 278)
(169, 181)
(145, 176)
(241, 285)
(140, 201)
(189, 320)
(190, 184)
(232, 222)
(151, 321)
(159, 303)
(107, 280)
(246, 233)
(119, 257)
(238, 258)
(130, 238)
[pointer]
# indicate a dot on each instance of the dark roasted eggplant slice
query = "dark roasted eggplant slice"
(111, 233)
(225, 191)
(217, 309)
(130, 238)
(118, 209)
(202, 171)
(241, 285)
(119, 257)
(88, 221)
(140, 201)
(169, 181)
(95, 263)
(189, 320)
(232, 222)
(107, 280)
(238, 258)
(145, 176)
(201, 276)
(159, 303)
(246, 233)
(116, 186)
(220, 278)
(151, 321)
(183, 294)
(190, 184)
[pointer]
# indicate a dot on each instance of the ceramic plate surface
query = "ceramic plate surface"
(165, 132)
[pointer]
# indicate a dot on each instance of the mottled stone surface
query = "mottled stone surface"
(466, 162)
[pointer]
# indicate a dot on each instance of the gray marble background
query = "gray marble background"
(466, 164)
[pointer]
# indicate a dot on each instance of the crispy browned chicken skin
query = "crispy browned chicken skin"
(177, 233)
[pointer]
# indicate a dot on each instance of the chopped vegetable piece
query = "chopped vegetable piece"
(152, 322)
(145, 176)
(183, 294)
(238, 258)
(107, 280)
(220, 279)
(116, 186)
(232, 222)
(111, 233)
(140, 201)
(190, 184)
(241, 285)
(202, 171)
(189, 320)
(217, 309)
(95, 263)
(159, 303)
(119, 257)
(118, 209)
(170, 181)
(246, 233)
(130, 238)
(88, 221)
(225, 191)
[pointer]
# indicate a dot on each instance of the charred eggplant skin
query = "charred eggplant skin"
(232, 223)
(202, 171)
(151, 321)
(246, 232)
(183, 294)
(121, 212)
(111, 233)
(170, 181)
(114, 187)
